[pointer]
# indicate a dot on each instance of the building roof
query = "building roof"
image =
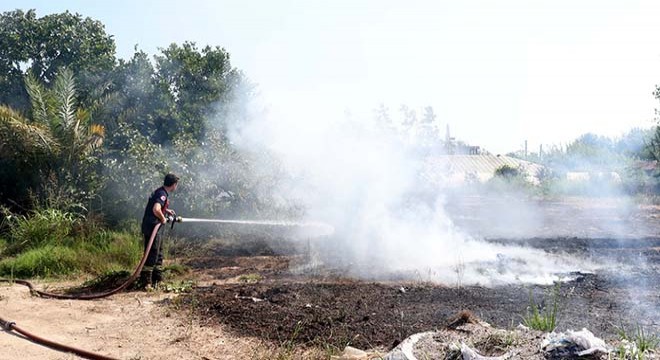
(483, 166)
(481, 163)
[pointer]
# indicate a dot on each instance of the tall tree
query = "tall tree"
(41, 46)
(201, 84)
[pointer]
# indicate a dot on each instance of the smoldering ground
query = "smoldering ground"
(366, 181)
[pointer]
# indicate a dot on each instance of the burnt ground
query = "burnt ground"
(268, 292)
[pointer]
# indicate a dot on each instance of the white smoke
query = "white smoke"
(366, 182)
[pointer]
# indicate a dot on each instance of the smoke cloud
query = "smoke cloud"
(390, 222)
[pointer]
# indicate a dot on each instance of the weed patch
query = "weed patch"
(543, 318)
(636, 342)
(45, 261)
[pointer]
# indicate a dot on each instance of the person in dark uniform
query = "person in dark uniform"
(155, 213)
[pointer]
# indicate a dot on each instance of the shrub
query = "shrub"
(49, 226)
(507, 171)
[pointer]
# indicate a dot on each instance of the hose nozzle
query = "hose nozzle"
(174, 219)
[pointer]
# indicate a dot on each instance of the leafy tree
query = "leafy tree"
(137, 100)
(409, 117)
(41, 46)
(199, 84)
(429, 132)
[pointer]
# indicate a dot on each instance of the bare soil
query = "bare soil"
(336, 311)
(258, 299)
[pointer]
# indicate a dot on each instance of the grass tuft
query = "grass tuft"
(543, 319)
(637, 342)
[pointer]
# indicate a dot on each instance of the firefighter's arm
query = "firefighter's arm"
(158, 212)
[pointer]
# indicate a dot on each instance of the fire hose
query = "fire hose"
(11, 326)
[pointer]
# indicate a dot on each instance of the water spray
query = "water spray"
(326, 228)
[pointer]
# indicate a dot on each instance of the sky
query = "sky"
(499, 73)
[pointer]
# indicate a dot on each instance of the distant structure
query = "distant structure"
(462, 169)
(461, 163)
(454, 147)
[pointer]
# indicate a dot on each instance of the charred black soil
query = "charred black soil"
(322, 308)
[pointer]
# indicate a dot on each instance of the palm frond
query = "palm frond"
(38, 98)
(22, 141)
(65, 94)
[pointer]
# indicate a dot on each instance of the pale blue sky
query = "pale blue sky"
(499, 72)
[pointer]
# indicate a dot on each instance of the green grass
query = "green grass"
(250, 278)
(120, 252)
(543, 319)
(642, 340)
(45, 261)
(52, 243)
(42, 227)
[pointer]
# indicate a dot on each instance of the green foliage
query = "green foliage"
(103, 252)
(25, 148)
(47, 44)
(49, 226)
(508, 172)
(544, 319)
(639, 340)
(152, 115)
(593, 154)
(54, 153)
(44, 261)
(51, 242)
(178, 287)
(509, 179)
(117, 249)
(176, 269)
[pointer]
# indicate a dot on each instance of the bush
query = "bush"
(49, 226)
(507, 171)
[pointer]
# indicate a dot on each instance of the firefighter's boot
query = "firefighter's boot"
(145, 281)
(156, 276)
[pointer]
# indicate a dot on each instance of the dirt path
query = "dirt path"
(135, 325)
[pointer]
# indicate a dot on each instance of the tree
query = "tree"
(201, 85)
(53, 153)
(409, 117)
(137, 100)
(429, 132)
(24, 147)
(41, 46)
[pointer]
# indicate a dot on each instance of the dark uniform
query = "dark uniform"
(152, 272)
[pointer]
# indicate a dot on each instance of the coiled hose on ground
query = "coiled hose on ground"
(10, 326)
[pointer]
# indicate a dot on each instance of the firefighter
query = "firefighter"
(156, 212)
